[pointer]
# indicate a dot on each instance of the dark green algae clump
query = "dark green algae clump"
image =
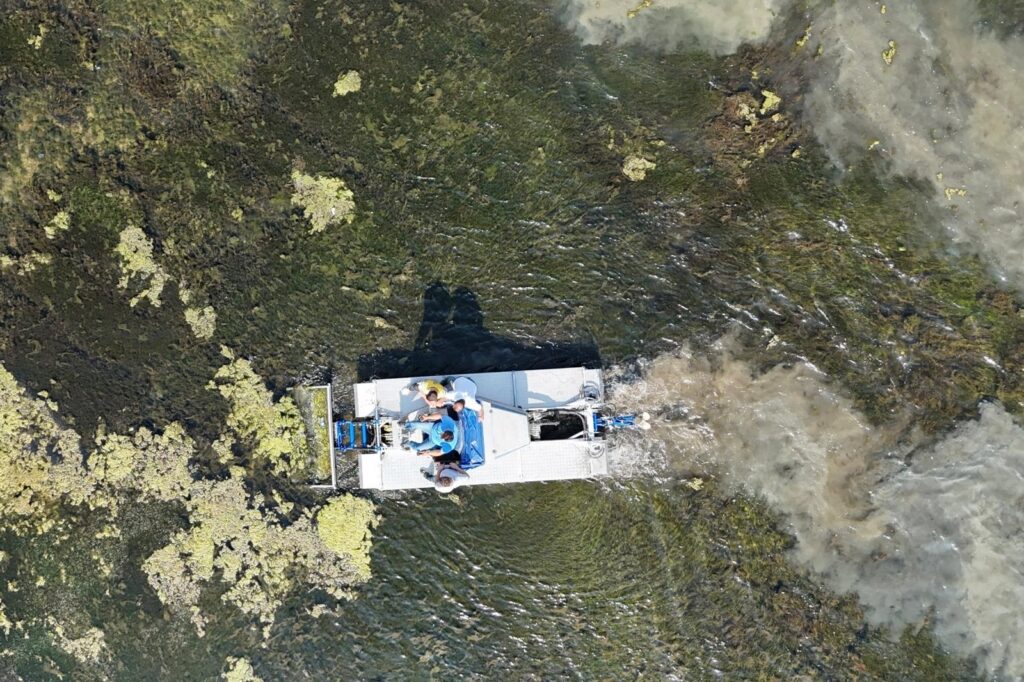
(484, 148)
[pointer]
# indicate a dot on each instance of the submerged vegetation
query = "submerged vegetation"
(272, 431)
(260, 547)
(149, 146)
(256, 555)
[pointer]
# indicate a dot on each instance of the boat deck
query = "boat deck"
(510, 455)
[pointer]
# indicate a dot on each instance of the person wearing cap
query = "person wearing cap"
(447, 466)
(449, 478)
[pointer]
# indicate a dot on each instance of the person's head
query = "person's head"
(447, 436)
(458, 405)
(431, 396)
(446, 480)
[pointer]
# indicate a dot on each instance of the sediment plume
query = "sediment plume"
(920, 530)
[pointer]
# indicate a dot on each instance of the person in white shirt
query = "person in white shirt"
(450, 477)
(463, 389)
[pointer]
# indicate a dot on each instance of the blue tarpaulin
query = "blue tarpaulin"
(473, 439)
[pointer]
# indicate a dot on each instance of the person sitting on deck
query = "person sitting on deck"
(432, 392)
(468, 444)
(463, 389)
(441, 436)
(446, 468)
(449, 478)
(450, 460)
(452, 410)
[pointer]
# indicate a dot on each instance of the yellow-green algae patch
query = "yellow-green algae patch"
(802, 40)
(345, 525)
(273, 432)
(889, 53)
(643, 4)
(239, 670)
(36, 41)
(201, 319)
(325, 201)
(5, 621)
(260, 551)
(168, 573)
(89, 648)
(350, 81)
(43, 464)
(136, 253)
(155, 465)
(59, 223)
(258, 558)
(635, 167)
(39, 459)
(771, 102)
(26, 264)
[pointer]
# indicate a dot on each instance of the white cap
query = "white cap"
(457, 479)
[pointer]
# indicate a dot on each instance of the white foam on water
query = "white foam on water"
(710, 25)
(940, 538)
(946, 110)
(957, 518)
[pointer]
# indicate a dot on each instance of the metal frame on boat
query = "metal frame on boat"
(318, 416)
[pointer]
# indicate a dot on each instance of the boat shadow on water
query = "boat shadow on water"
(452, 339)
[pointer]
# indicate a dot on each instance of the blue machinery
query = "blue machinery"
(623, 422)
(357, 434)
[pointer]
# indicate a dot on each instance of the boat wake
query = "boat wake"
(920, 530)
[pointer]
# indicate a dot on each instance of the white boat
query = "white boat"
(536, 425)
